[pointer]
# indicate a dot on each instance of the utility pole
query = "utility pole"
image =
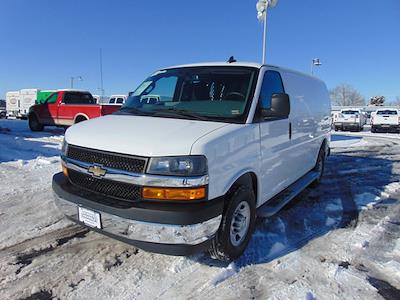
(101, 73)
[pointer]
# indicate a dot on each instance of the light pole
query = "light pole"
(77, 78)
(315, 62)
(262, 11)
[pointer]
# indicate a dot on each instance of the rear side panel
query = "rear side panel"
(109, 109)
(310, 117)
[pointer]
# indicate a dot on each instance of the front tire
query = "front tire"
(34, 123)
(237, 225)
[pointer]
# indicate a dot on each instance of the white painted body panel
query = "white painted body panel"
(232, 150)
(27, 99)
(12, 102)
(139, 135)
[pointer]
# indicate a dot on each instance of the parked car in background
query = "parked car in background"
(3, 111)
(387, 120)
(117, 99)
(65, 108)
(349, 119)
(221, 144)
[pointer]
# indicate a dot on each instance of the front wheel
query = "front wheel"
(34, 123)
(237, 225)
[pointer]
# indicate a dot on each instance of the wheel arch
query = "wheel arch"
(247, 178)
(80, 116)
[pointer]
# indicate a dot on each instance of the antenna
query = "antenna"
(231, 60)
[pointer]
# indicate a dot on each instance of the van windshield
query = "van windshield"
(204, 93)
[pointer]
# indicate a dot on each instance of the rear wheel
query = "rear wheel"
(34, 123)
(319, 166)
(237, 225)
(373, 129)
(80, 119)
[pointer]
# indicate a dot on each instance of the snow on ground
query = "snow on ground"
(338, 241)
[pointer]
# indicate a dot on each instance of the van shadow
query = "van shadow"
(18, 143)
(347, 188)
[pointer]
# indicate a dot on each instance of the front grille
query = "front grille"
(107, 159)
(121, 190)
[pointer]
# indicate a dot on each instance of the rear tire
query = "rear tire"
(80, 119)
(34, 123)
(319, 166)
(373, 130)
(237, 225)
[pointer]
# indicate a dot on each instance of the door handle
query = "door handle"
(290, 130)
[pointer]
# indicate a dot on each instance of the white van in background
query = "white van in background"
(27, 99)
(117, 99)
(224, 143)
(12, 104)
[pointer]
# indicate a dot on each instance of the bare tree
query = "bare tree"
(377, 100)
(395, 102)
(346, 95)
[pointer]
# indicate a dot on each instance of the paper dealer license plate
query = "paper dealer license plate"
(89, 217)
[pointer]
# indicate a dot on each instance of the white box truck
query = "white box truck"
(27, 99)
(12, 104)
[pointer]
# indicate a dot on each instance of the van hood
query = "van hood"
(140, 135)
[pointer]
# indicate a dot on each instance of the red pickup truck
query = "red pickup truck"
(65, 108)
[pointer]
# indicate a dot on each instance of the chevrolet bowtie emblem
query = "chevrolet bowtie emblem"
(97, 171)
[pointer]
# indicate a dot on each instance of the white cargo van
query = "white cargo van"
(224, 143)
(27, 99)
(12, 104)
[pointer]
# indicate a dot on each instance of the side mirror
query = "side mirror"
(280, 107)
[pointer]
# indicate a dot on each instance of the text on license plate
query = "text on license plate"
(89, 217)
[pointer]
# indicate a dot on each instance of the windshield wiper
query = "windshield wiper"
(180, 112)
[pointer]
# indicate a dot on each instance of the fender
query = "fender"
(236, 177)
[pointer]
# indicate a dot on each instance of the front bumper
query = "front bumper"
(174, 228)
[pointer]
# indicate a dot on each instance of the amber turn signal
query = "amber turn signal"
(174, 193)
(65, 170)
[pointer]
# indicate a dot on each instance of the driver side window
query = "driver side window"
(272, 84)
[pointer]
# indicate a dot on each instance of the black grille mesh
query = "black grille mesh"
(107, 159)
(124, 191)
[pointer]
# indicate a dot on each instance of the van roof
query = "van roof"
(114, 96)
(240, 64)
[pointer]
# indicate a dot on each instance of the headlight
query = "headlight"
(178, 165)
(64, 148)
